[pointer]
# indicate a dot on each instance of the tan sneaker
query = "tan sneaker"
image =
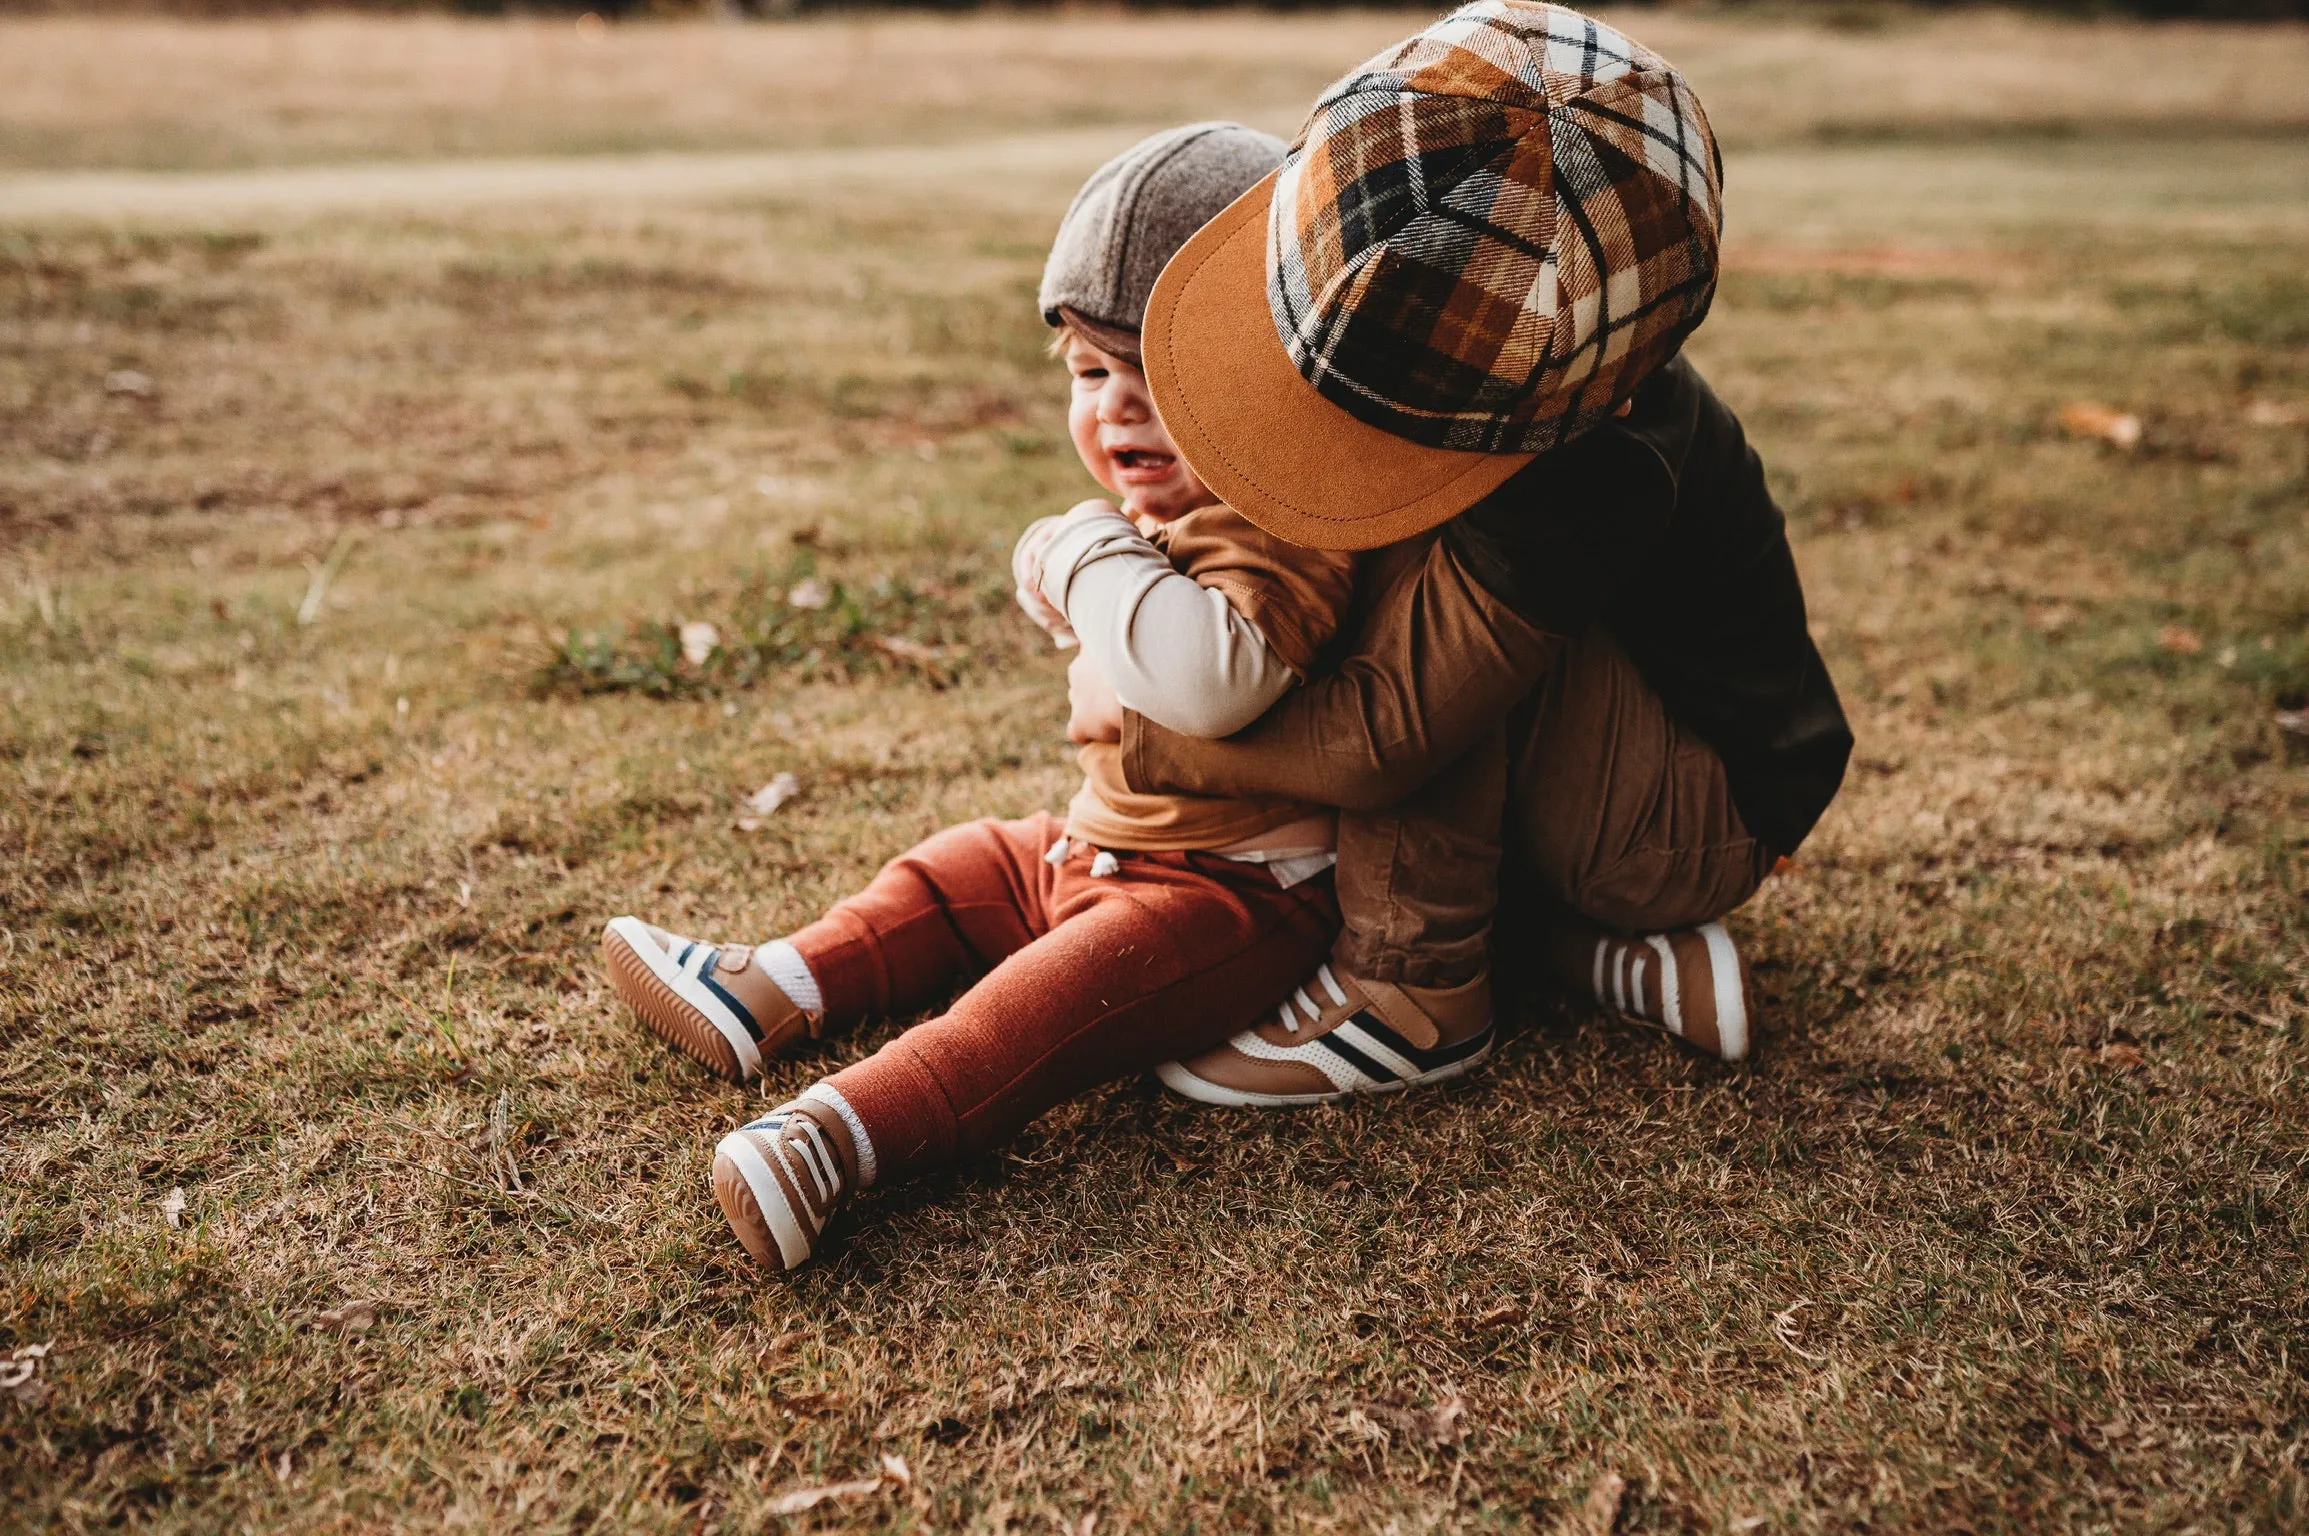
(710, 1001)
(1689, 982)
(1350, 1037)
(781, 1178)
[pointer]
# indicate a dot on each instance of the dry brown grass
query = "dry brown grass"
(167, 94)
(2000, 1231)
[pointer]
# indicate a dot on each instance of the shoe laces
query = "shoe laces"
(1302, 1002)
(815, 1152)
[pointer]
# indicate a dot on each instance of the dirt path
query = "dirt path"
(1801, 194)
(204, 197)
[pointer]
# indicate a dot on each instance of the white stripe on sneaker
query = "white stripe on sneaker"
(1671, 1006)
(809, 1156)
(1357, 1038)
(1602, 949)
(1731, 1010)
(793, 1243)
(778, 1146)
(690, 990)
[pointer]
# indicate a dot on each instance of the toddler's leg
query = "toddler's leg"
(1169, 954)
(959, 901)
(1173, 954)
(962, 899)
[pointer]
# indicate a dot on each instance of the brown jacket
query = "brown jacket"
(1658, 527)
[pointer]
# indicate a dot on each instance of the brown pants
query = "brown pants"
(1455, 732)
(1590, 802)
(1090, 978)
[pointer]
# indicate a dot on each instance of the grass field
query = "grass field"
(341, 556)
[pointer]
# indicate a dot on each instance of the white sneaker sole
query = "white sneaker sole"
(771, 1231)
(1179, 1080)
(627, 940)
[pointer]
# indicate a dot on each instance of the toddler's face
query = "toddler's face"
(1112, 420)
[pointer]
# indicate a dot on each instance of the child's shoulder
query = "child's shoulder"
(1219, 533)
(1299, 597)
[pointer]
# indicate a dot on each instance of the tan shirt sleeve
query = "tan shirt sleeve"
(1298, 597)
(1199, 627)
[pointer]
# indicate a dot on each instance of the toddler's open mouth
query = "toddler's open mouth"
(1143, 459)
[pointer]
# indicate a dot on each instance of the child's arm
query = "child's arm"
(1175, 651)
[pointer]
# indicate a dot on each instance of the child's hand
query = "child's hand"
(1093, 712)
(1026, 572)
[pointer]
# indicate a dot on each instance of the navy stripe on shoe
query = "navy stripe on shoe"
(1426, 1061)
(730, 999)
(1356, 1059)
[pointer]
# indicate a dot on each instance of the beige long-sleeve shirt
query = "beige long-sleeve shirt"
(1200, 623)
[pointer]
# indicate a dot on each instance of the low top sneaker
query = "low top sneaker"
(1337, 1037)
(1689, 982)
(714, 1002)
(781, 1178)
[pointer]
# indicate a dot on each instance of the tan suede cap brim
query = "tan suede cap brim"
(1259, 434)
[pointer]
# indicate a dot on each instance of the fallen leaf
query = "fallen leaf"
(127, 381)
(764, 802)
(2274, 413)
(20, 1374)
(172, 1208)
(895, 1469)
(2180, 641)
(352, 1317)
(2086, 418)
(2051, 618)
(1784, 1329)
(2120, 1054)
(1442, 1421)
(2293, 722)
(809, 592)
(934, 662)
(1439, 1423)
(913, 651)
(797, 1500)
(698, 639)
(1601, 1512)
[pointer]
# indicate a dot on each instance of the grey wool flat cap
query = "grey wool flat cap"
(1132, 216)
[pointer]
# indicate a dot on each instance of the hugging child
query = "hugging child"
(1141, 928)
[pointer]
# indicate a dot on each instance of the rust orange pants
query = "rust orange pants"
(1087, 978)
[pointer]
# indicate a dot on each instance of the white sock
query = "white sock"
(783, 964)
(831, 1096)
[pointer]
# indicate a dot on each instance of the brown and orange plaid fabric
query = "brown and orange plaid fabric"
(1486, 237)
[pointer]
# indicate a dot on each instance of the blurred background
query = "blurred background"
(464, 475)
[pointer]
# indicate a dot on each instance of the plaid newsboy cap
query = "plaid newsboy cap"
(1486, 237)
